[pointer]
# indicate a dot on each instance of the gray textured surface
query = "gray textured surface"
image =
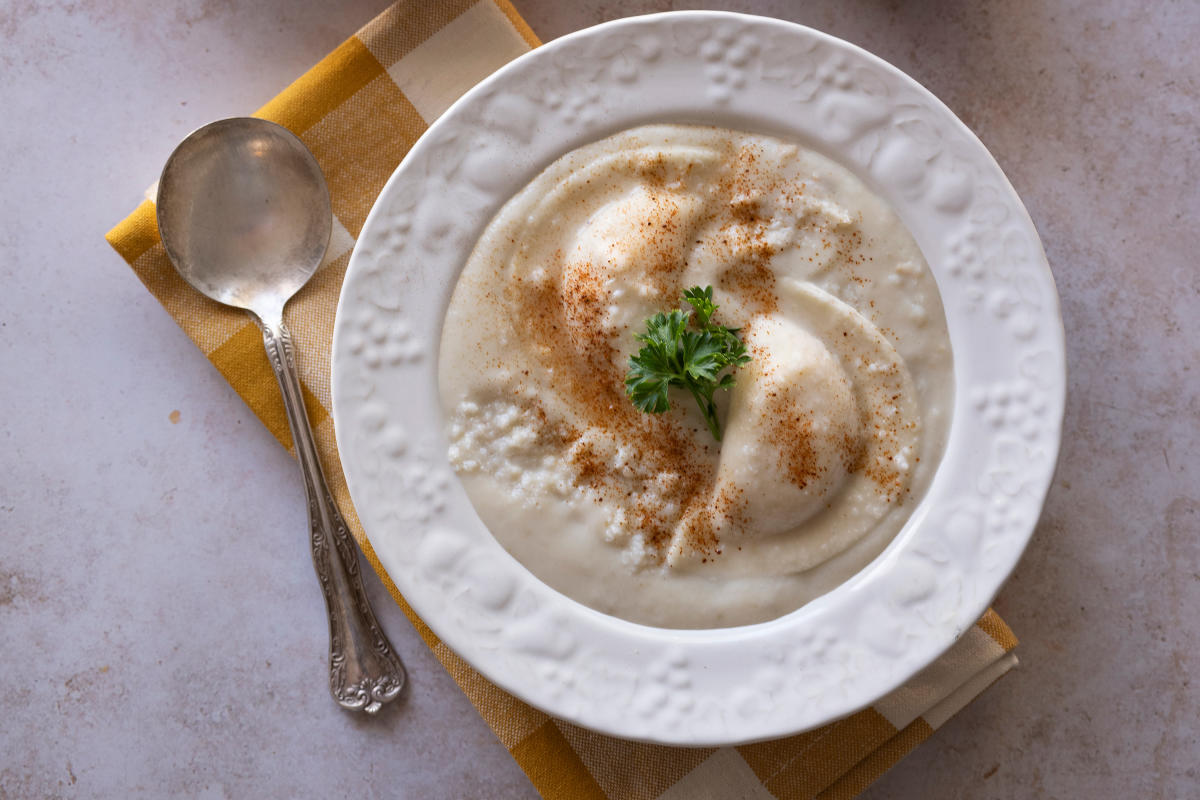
(160, 631)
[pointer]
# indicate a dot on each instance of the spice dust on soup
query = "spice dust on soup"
(830, 434)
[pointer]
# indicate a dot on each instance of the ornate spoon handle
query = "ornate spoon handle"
(364, 670)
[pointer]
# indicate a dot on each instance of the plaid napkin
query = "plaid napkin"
(359, 110)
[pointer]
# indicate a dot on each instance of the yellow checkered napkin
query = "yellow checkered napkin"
(359, 110)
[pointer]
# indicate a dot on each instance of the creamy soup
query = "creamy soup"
(831, 433)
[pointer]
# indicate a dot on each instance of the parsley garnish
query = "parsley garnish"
(673, 354)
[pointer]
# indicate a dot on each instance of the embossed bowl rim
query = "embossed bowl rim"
(844, 650)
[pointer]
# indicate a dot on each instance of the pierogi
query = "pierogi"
(832, 432)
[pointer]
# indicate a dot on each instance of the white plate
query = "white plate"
(844, 650)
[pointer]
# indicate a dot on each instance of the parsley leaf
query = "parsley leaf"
(674, 354)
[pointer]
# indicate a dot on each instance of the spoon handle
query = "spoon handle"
(364, 670)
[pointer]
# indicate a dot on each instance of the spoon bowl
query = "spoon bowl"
(244, 213)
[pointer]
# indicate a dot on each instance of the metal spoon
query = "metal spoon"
(244, 214)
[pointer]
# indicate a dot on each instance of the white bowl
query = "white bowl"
(844, 650)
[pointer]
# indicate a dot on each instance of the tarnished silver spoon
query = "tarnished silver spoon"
(244, 214)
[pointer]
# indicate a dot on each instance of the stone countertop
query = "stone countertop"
(160, 628)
